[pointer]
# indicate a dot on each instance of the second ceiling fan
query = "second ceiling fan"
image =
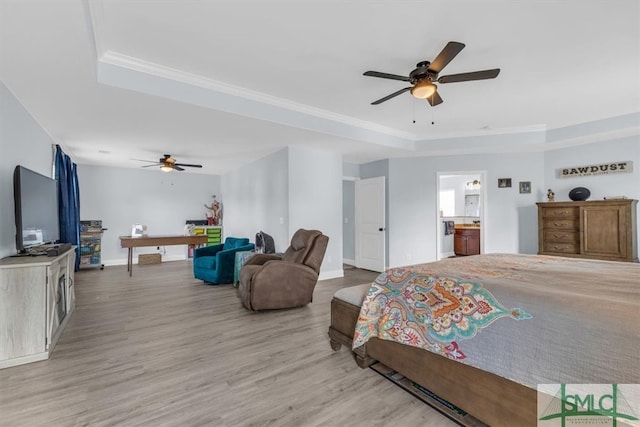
(424, 77)
(168, 164)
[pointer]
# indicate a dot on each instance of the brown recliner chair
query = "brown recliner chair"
(269, 282)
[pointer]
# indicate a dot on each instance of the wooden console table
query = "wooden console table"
(137, 242)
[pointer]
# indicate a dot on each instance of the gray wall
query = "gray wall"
(256, 198)
(624, 184)
(315, 200)
(627, 184)
(163, 201)
(290, 189)
(350, 172)
(22, 142)
(510, 218)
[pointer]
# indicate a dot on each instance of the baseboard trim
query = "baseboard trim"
(334, 274)
(349, 261)
(324, 275)
(22, 360)
(113, 262)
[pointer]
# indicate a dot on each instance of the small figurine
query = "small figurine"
(551, 195)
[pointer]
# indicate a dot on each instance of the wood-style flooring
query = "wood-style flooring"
(163, 349)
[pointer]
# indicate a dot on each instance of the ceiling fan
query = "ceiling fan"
(424, 77)
(168, 163)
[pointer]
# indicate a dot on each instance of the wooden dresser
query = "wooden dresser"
(599, 229)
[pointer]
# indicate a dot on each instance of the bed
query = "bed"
(545, 320)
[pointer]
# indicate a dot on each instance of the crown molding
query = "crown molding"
(94, 13)
(350, 127)
(135, 64)
(117, 59)
(486, 132)
(533, 138)
(531, 146)
(95, 16)
(612, 135)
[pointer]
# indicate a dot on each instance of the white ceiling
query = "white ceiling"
(223, 83)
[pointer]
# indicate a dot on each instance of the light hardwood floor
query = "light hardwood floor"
(162, 348)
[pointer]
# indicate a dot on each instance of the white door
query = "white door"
(370, 224)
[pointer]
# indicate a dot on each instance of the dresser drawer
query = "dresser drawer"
(561, 224)
(561, 236)
(561, 212)
(561, 248)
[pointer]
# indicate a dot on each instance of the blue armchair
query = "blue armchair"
(214, 264)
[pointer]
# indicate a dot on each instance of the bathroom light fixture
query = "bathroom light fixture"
(472, 185)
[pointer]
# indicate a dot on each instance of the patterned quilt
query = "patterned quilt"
(430, 312)
(531, 319)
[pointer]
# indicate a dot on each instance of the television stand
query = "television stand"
(20, 254)
(37, 297)
(46, 249)
(57, 249)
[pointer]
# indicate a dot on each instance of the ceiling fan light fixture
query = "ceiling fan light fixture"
(423, 89)
(166, 168)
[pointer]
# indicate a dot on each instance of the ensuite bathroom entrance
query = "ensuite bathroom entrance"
(461, 208)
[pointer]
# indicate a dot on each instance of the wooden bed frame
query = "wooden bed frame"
(488, 397)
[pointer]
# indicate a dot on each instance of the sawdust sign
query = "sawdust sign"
(594, 170)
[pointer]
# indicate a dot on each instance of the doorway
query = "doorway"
(460, 203)
(370, 231)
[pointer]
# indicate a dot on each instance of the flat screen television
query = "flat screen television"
(36, 209)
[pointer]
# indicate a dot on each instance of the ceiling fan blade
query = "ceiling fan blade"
(465, 77)
(187, 165)
(386, 76)
(176, 167)
(151, 166)
(434, 99)
(445, 56)
(148, 161)
(388, 97)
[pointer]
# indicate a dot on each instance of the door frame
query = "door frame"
(483, 203)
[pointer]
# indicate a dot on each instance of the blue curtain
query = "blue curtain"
(68, 201)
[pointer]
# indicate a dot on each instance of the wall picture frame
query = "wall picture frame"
(524, 187)
(504, 182)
